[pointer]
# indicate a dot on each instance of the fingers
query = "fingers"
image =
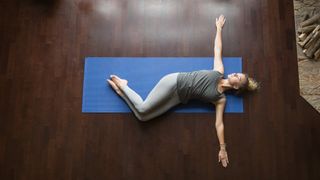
(224, 163)
(219, 158)
(221, 19)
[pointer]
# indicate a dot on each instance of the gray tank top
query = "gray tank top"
(200, 84)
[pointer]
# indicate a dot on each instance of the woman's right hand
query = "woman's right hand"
(223, 157)
(220, 22)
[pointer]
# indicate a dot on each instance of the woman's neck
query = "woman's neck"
(224, 85)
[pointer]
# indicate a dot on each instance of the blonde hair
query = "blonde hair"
(250, 85)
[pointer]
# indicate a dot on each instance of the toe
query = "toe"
(114, 80)
(117, 77)
(110, 82)
(112, 76)
(114, 86)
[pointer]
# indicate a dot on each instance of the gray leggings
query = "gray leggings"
(160, 99)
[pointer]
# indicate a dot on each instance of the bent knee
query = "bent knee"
(142, 109)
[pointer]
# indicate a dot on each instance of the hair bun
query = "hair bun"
(252, 84)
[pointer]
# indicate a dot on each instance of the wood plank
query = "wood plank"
(44, 135)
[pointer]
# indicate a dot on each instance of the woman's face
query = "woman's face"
(237, 79)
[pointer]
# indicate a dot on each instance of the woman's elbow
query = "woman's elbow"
(219, 125)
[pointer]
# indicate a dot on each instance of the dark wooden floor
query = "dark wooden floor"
(44, 135)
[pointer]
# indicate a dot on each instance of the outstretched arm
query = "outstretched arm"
(223, 157)
(218, 64)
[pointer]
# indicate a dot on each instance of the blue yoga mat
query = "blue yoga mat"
(143, 73)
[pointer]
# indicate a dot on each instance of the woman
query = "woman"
(175, 88)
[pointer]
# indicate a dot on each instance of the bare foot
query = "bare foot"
(118, 81)
(115, 87)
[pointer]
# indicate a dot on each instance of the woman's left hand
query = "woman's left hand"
(223, 157)
(220, 21)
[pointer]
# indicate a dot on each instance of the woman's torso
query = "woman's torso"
(200, 84)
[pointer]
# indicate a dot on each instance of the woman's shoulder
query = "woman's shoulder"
(215, 72)
(218, 72)
(222, 99)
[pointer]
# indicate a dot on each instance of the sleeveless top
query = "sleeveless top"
(200, 84)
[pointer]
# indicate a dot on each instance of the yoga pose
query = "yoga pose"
(180, 87)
